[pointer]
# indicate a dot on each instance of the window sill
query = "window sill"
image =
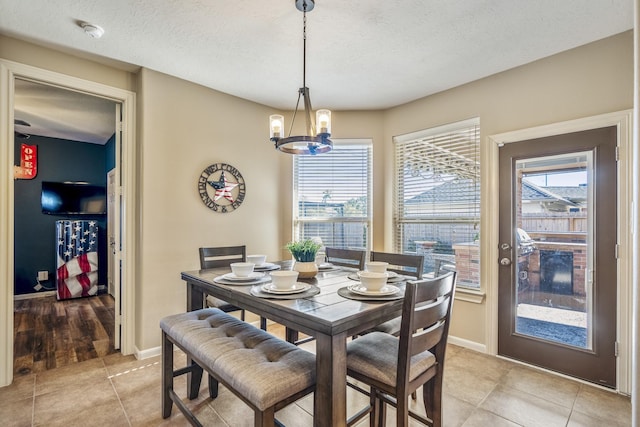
(475, 296)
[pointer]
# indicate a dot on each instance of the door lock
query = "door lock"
(505, 261)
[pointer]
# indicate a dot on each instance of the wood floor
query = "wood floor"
(49, 333)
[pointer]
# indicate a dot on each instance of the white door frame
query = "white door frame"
(9, 71)
(623, 120)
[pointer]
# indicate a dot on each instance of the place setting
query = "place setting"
(378, 267)
(372, 284)
(242, 274)
(261, 264)
(284, 285)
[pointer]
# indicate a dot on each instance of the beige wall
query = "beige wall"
(184, 127)
(117, 74)
(582, 82)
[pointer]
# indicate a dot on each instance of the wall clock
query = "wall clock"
(221, 187)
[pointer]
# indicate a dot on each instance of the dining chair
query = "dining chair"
(354, 258)
(395, 367)
(223, 256)
(405, 264)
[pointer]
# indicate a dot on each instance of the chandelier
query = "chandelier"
(313, 142)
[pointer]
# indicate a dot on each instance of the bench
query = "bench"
(265, 372)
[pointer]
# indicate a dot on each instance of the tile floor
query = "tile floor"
(479, 390)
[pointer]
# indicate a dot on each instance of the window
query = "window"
(332, 195)
(437, 199)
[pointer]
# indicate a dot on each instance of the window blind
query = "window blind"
(437, 198)
(332, 195)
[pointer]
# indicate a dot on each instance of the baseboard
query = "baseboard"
(471, 345)
(150, 352)
(34, 295)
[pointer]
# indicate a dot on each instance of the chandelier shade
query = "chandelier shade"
(316, 140)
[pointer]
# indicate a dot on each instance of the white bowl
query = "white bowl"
(242, 269)
(257, 259)
(284, 279)
(321, 257)
(373, 281)
(376, 266)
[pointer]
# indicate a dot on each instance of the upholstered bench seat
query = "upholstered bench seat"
(265, 372)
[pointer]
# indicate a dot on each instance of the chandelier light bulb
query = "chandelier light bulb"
(276, 123)
(323, 120)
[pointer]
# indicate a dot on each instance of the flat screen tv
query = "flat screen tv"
(64, 198)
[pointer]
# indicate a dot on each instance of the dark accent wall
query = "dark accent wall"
(59, 160)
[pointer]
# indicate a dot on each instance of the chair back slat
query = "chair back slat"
(405, 264)
(216, 257)
(426, 316)
(437, 287)
(354, 258)
(425, 340)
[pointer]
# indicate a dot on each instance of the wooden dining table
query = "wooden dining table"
(327, 316)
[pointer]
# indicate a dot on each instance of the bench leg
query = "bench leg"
(194, 379)
(213, 387)
(167, 375)
(265, 418)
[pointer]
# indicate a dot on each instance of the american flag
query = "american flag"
(77, 274)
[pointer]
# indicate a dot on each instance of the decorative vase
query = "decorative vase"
(306, 270)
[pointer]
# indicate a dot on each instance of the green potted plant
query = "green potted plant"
(304, 253)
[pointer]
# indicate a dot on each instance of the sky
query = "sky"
(568, 179)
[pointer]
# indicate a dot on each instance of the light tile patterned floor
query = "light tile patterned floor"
(479, 390)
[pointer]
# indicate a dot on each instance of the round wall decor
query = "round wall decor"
(221, 187)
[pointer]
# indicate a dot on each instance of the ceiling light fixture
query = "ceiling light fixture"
(311, 143)
(92, 30)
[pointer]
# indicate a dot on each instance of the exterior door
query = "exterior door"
(557, 253)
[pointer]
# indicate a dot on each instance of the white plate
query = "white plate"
(253, 276)
(270, 288)
(266, 266)
(384, 291)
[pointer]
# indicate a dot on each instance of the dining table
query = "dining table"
(331, 309)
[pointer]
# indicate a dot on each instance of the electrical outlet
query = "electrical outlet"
(43, 275)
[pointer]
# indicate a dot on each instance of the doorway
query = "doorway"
(9, 71)
(73, 139)
(557, 253)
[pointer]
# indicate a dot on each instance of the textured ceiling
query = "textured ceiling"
(361, 54)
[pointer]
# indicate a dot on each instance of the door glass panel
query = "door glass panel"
(553, 248)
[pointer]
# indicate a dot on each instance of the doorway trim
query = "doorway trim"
(9, 71)
(623, 120)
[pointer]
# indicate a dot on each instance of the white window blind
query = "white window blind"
(332, 195)
(437, 199)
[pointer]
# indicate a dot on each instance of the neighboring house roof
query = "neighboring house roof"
(549, 194)
(459, 190)
(575, 194)
(463, 191)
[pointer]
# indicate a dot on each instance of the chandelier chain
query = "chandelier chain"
(304, 46)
